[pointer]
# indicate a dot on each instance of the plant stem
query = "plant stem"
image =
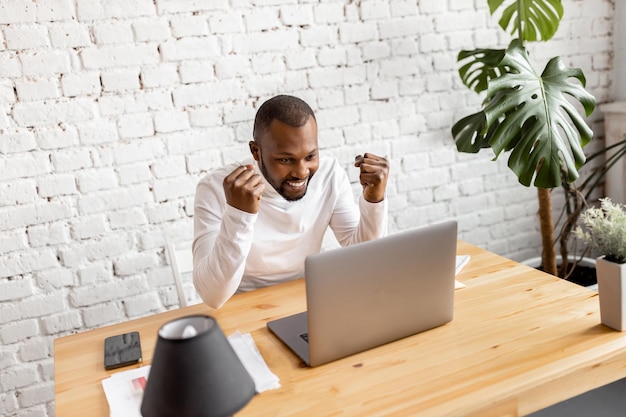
(520, 18)
(548, 256)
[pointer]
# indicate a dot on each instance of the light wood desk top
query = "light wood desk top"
(520, 340)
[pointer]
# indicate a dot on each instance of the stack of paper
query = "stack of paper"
(461, 261)
(252, 360)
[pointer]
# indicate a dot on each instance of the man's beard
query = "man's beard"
(281, 189)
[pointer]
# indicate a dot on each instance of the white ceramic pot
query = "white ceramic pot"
(612, 293)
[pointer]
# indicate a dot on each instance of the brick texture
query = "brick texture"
(111, 110)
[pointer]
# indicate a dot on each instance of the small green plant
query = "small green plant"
(605, 230)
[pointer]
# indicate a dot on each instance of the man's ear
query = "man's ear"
(255, 150)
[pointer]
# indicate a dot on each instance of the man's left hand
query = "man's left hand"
(373, 176)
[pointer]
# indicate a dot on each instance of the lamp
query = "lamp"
(195, 372)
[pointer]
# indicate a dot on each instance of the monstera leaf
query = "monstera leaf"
(530, 116)
(533, 19)
(530, 20)
(479, 66)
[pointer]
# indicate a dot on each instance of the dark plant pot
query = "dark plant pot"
(584, 274)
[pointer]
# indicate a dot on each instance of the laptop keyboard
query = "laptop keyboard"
(305, 337)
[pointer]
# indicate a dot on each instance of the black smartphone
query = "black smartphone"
(121, 350)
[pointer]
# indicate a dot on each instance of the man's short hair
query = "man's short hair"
(286, 109)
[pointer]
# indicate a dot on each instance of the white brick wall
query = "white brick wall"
(110, 112)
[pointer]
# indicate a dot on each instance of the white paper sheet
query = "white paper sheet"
(124, 391)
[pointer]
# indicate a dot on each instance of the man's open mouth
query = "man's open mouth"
(296, 185)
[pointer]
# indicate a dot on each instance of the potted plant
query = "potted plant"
(605, 232)
(573, 263)
(525, 113)
(577, 196)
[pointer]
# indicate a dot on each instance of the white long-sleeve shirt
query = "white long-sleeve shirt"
(234, 250)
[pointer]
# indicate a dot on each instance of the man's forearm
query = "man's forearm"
(220, 258)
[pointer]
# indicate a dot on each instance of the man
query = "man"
(255, 222)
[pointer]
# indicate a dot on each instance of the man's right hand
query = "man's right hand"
(243, 189)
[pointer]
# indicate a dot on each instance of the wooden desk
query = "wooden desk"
(520, 340)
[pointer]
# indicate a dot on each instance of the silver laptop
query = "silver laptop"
(372, 293)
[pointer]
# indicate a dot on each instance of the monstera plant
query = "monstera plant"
(533, 117)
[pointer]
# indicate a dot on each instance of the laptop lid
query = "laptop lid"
(372, 293)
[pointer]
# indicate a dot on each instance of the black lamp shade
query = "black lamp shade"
(195, 372)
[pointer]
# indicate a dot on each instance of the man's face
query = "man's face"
(288, 157)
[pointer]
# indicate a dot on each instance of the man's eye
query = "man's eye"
(284, 160)
(311, 157)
